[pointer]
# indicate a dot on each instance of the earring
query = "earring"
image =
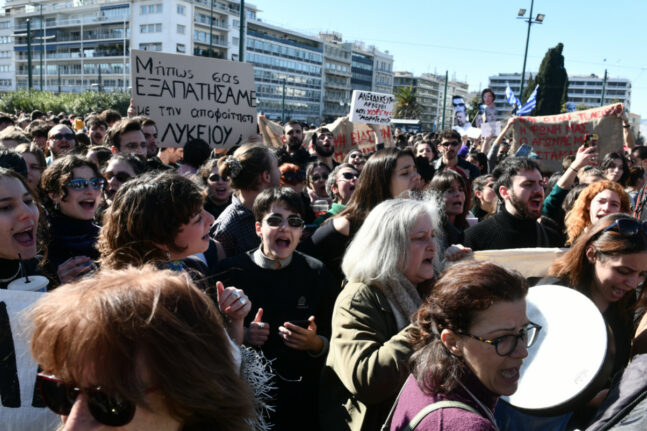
(168, 255)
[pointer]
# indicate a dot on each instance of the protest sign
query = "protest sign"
(554, 137)
(371, 108)
(21, 408)
(348, 136)
(193, 97)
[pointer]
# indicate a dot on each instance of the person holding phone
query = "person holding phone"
(293, 294)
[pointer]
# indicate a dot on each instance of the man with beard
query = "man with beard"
(324, 144)
(150, 133)
(60, 141)
(450, 143)
(293, 151)
(96, 129)
(518, 183)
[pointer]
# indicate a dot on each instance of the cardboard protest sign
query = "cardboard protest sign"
(21, 408)
(554, 137)
(371, 108)
(193, 97)
(348, 136)
(530, 262)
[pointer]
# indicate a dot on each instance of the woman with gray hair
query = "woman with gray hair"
(340, 187)
(390, 266)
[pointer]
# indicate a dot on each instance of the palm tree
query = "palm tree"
(406, 105)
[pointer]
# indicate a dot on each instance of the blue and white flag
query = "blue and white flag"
(510, 97)
(530, 103)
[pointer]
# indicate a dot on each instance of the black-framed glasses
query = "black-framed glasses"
(349, 176)
(505, 345)
(109, 409)
(79, 184)
(356, 156)
(627, 227)
(122, 177)
(276, 221)
(290, 176)
(66, 136)
(214, 178)
(448, 143)
(317, 177)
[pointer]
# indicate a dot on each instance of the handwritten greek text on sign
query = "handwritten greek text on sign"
(371, 108)
(195, 98)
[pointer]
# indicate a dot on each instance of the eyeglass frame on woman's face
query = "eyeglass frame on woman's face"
(497, 341)
(96, 399)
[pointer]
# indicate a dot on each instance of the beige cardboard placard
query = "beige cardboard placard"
(348, 136)
(553, 137)
(193, 97)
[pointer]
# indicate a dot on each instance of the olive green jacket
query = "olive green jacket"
(367, 362)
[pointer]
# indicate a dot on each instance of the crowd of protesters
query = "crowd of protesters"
(166, 263)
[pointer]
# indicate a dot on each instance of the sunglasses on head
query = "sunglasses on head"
(448, 143)
(59, 136)
(627, 227)
(109, 409)
(349, 175)
(317, 177)
(122, 177)
(276, 221)
(214, 178)
(293, 176)
(81, 183)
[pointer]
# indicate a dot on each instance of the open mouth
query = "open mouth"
(25, 237)
(282, 243)
(510, 374)
(87, 204)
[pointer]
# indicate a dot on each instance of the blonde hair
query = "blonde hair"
(108, 323)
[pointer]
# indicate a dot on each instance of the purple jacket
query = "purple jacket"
(412, 400)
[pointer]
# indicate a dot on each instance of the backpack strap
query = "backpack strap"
(437, 406)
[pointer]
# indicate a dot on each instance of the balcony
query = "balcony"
(204, 20)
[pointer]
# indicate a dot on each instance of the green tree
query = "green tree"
(553, 82)
(406, 104)
(473, 108)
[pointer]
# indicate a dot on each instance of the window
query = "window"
(151, 9)
(4, 25)
(150, 28)
(181, 10)
(181, 29)
(157, 46)
(181, 48)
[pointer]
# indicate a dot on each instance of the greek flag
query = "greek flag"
(530, 103)
(511, 98)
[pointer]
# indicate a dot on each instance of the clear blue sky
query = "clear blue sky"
(476, 39)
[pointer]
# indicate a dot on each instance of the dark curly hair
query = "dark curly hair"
(462, 291)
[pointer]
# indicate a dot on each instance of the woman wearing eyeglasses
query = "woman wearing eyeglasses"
(73, 185)
(607, 263)
(340, 187)
(317, 174)
(470, 338)
(138, 363)
(390, 266)
(218, 188)
(293, 295)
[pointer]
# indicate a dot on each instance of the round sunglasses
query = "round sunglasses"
(122, 177)
(108, 409)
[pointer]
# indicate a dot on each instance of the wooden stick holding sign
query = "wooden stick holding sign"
(195, 98)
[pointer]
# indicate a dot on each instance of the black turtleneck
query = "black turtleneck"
(71, 237)
(504, 230)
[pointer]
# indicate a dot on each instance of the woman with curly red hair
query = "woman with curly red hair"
(597, 200)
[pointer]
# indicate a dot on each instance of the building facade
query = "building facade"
(429, 90)
(78, 45)
(582, 90)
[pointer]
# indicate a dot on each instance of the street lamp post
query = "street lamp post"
(42, 41)
(29, 80)
(538, 20)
